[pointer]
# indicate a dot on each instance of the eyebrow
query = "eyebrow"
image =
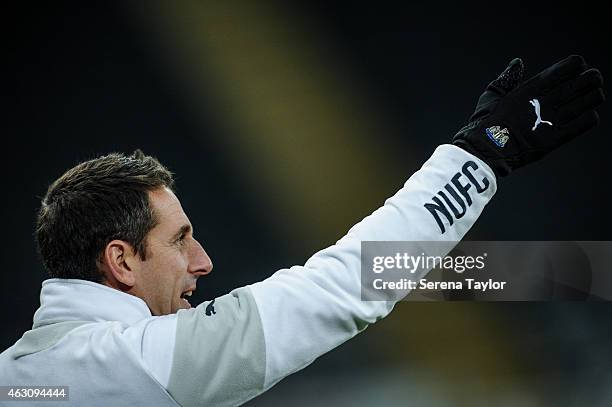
(186, 228)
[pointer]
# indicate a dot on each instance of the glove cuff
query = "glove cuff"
(470, 149)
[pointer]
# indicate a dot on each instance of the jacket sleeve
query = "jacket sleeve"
(229, 351)
(308, 310)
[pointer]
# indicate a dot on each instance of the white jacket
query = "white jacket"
(108, 348)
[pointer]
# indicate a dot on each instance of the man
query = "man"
(115, 324)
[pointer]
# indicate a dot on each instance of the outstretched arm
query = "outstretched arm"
(309, 310)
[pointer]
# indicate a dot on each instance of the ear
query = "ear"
(120, 262)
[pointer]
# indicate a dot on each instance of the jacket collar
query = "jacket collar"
(80, 300)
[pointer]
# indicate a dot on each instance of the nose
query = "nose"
(199, 262)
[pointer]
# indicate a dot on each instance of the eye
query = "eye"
(181, 240)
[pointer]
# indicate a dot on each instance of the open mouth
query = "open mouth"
(185, 295)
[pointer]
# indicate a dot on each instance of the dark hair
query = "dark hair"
(98, 201)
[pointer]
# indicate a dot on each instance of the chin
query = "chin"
(183, 304)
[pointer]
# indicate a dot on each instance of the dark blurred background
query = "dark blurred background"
(285, 124)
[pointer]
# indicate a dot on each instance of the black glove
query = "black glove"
(516, 122)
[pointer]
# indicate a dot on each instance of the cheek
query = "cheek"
(173, 267)
(165, 267)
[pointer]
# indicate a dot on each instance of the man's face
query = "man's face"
(174, 258)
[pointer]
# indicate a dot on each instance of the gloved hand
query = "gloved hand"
(516, 122)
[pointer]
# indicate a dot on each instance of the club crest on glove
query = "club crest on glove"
(498, 135)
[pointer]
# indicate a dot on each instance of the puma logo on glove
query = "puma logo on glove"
(536, 106)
